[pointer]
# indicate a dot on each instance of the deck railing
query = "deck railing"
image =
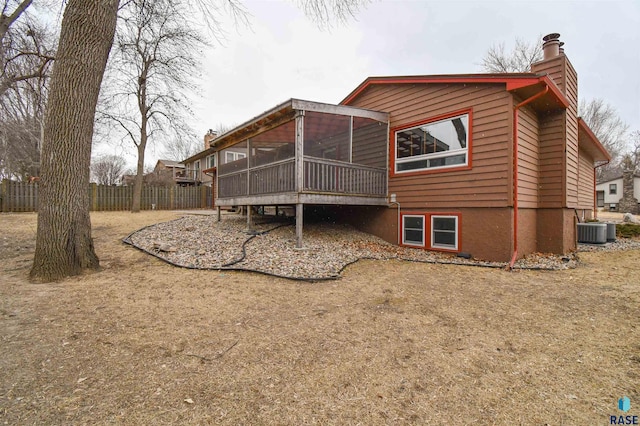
(339, 177)
(187, 175)
(273, 178)
(320, 175)
(233, 185)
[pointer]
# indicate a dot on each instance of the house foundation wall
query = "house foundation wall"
(556, 230)
(485, 232)
(527, 234)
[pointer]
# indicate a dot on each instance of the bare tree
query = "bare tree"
(25, 48)
(611, 130)
(634, 140)
(325, 13)
(63, 241)
(26, 55)
(108, 169)
(181, 148)
(155, 58)
(498, 60)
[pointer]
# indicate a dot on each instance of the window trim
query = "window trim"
(236, 156)
(433, 230)
(441, 169)
(428, 230)
(209, 159)
(424, 230)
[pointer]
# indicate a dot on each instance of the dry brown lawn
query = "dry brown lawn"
(142, 342)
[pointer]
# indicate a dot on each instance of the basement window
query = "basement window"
(433, 144)
(444, 232)
(413, 230)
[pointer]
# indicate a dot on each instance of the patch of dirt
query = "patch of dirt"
(391, 342)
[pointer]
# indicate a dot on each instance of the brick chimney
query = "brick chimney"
(628, 204)
(209, 137)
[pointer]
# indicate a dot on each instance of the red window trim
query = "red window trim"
(428, 244)
(425, 233)
(392, 145)
(458, 232)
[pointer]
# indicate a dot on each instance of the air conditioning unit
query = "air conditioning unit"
(592, 233)
(611, 232)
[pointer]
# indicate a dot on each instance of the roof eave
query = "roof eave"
(199, 155)
(592, 139)
(512, 81)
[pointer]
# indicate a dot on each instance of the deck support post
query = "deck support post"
(249, 218)
(299, 221)
(218, 214)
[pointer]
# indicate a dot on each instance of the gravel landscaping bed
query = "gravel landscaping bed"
(619, 244)
(200, 242)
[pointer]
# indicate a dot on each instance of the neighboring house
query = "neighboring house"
(494, 165)
(167, 173)
(204, 161)
(170, 171)
(611, 194)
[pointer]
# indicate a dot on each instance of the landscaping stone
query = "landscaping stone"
(270, 247)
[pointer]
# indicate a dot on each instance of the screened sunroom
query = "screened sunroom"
(303, 152)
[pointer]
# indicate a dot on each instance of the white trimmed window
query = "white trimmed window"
(444, 232)
(413, 230)
(433, 145)
(231, 156)
(211, 161)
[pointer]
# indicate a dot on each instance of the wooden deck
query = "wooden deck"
(324, 182)
(303, 152)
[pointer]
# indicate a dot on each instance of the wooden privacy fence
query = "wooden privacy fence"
(23, 197)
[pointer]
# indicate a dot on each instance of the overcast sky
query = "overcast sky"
(283, 55)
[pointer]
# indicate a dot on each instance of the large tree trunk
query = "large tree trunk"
(63, 243)
(142, 146)
(139, 181)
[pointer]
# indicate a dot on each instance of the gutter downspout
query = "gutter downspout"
(515, 171)
(392, 200)
(595, 190)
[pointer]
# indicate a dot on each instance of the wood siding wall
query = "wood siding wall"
(370, 145)
(487, 184)
(528, 158)
(551, 172)
(572, 135)
(555, 68)
(565, 77)
(585, 181)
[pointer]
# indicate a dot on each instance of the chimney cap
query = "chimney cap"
(551, 37)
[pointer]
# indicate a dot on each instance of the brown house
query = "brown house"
(495, 165)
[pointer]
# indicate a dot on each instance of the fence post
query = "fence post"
(172, 194)
(5, 195)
